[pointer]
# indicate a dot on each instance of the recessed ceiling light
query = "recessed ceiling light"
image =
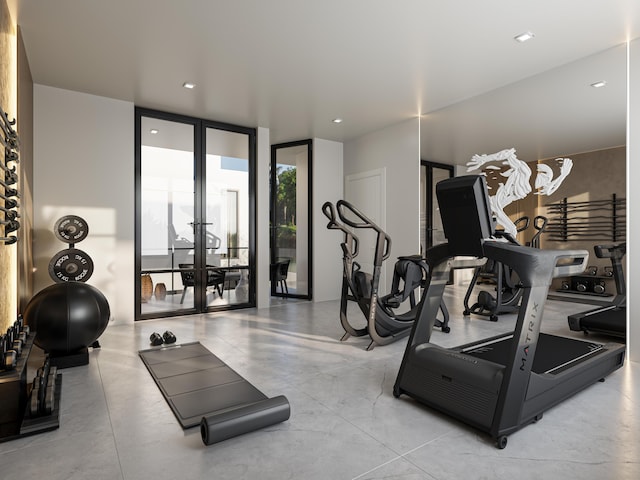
(189, 85)
(337, 120)
(599, 84)
(153, 131)
(523, 37)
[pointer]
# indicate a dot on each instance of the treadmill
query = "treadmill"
(611, 319)
(503, 383)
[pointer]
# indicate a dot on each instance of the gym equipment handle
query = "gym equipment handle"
(330, 212)
(366, 223)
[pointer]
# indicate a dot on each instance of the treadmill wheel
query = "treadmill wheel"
(502, 442)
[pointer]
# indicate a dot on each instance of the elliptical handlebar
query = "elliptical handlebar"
(540, 224)
(524, 220)
(351, 241)
(366, 223)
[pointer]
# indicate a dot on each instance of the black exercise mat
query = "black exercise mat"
(195, 383)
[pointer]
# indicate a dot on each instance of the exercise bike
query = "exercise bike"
(508, 287)
(383, 325)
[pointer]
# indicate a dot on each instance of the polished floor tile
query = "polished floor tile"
(345, 422)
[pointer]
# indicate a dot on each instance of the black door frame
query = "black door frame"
(199, 151)
(429, 195)
(272, 214)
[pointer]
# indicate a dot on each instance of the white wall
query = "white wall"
(397, 150)
(263, 290)
(633, 198)
(327, 186)
(84, 165)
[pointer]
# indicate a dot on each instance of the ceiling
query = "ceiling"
(292, 66)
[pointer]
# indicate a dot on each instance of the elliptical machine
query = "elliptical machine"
(508, 287)
(410, 272)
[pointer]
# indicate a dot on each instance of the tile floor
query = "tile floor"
(345, 422)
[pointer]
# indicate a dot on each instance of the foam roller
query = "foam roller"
(245, 419)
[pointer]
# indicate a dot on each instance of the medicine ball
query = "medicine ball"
(67, 316)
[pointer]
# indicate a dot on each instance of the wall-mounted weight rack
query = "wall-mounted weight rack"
(8, 179)
(602, 220)
(71, 264)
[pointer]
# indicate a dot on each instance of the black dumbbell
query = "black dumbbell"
(50, 392)
(156, 339)
(168, 337)
(22, 327)
(13, 340)
(8, 357)
(599, 287)
(34, 402)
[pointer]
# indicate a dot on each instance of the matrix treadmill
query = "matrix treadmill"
(609, 319)
(503, 383)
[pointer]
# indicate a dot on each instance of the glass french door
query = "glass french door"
(195, 215)
(431, 231)
(290, 269)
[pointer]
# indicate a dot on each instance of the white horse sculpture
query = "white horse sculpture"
(517, 186)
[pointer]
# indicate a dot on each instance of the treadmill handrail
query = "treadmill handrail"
(527, 261)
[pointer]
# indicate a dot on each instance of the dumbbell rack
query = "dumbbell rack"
(15, 417)
(588, 281)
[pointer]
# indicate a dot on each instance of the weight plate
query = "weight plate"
(71, 265)
(71, 229)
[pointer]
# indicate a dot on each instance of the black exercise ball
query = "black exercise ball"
(67, 316)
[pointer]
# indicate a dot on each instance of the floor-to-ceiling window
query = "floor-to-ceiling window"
(195, 215)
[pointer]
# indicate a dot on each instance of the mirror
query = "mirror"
(556, 113)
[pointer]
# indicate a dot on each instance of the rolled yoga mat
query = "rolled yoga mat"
(222, 426)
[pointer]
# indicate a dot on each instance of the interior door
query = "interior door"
(291, 220)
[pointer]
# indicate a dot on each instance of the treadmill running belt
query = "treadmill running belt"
(202, 390)
(552, 352)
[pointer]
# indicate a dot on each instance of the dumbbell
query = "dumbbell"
(156, 339)
(8, 357)
(50, 392)
(581, 287)
(608, 271)
(565, 285)
(13, 341)
(167, 337)
(599, 287)
(20, 333)
(592, 270)
(23, 328)
(43, 390)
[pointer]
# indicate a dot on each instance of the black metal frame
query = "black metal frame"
(272, 214)
(199, 144)
(429, 195)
